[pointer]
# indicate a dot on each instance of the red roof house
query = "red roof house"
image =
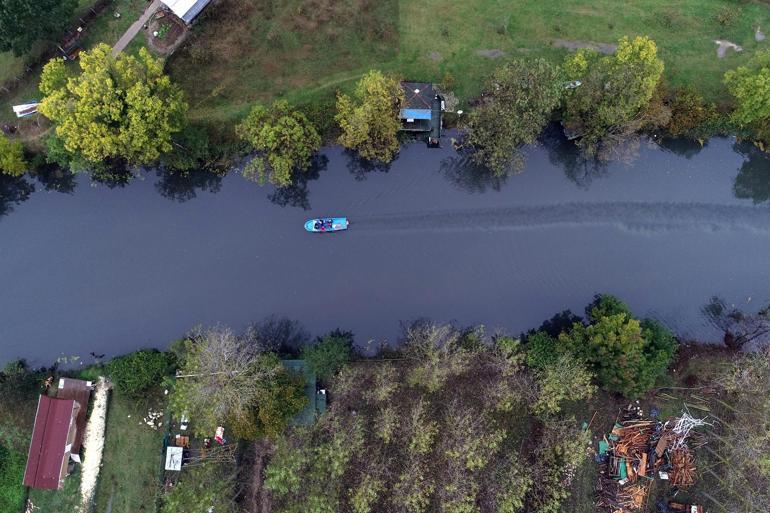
(80, 391)
(52, 438)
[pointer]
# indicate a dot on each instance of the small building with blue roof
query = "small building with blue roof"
(421, 110)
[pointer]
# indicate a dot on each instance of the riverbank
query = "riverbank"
(325, 46)
(696, 382)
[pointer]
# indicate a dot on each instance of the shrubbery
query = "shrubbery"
(138, 371)
(11, 474)
(329, 354)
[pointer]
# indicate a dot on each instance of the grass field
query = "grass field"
(304, 50)
(132, 456)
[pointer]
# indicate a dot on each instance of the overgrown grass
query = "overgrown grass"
(66, 500)
(132, 456)
(241, 51)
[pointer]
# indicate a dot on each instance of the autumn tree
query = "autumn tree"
(517, 102)
(116, 108)
(227, 379)
(750, 88)
(12, 157)
(284, 140)
(369, 119)
(23, 22)
(615, 94)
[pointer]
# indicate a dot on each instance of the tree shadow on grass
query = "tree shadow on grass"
(297, 194)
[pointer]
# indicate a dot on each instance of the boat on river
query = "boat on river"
(327, 224)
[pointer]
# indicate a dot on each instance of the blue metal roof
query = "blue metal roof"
(415, 113)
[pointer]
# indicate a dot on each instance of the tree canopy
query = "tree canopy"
(627, 355)
(518, 99)
(12, 157)
(284, 139)
(369, 120)
(231, 380)
(136, 372)
(614, 94)
(116, 108)
(439, 429)
(330, 354)
(750, 87)
(23, 22)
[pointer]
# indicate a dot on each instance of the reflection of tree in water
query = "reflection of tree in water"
(559, 323)
(682, 147)
(465, 174)
(360, 168)
(741, 330)
(565, 154)
(753, 179)
(183, 186)
(55, 178)
(296, 194)
(112, 175)
(13, 190)
(278, 334)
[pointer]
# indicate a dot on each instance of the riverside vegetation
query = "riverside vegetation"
(619, 96)
(454, 419)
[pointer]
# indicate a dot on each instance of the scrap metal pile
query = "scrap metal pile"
(636, 451)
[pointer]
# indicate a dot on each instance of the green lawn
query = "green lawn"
(132, 456)
(241, 52)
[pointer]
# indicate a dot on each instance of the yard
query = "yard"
(241, 52)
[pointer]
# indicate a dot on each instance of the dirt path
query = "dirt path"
(569, 44)
(134, 29)
(94, 444)
(257, 498)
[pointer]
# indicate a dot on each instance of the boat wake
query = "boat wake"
(637, 217)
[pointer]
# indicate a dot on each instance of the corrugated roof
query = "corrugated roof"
(80, 391)
(186, 9)
(48, 454)
(415, 113)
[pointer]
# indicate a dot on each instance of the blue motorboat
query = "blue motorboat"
(326, 224)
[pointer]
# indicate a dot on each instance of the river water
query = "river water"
(87, 268)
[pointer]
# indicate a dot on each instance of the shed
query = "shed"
(80, 391)
(186, 10)
(421, 110)
(52, 438)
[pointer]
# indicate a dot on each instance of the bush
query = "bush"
(11, 474)
(330, 354)
(136, 372)
(691, 116)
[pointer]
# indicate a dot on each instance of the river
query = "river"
(87, 268)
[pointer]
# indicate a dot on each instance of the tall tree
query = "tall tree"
(518, 99)
(626, 354)
(22, 22)
(12, 157)
(115, 108)
(227, 379)
(284, 139)
(369, 120)
(614, 95)
(750, 87)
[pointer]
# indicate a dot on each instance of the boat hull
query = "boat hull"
(327, 224)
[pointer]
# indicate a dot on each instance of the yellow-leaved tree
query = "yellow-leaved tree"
(120, 107)
(369, 120)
